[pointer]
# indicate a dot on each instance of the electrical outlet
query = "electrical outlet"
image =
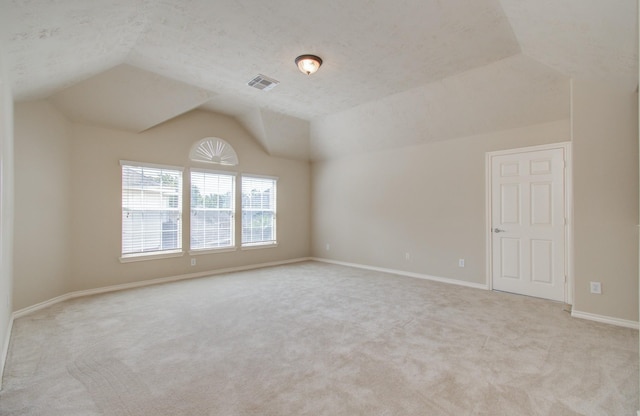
(193, 262)
(328, 247)
(407, 256)
(460, 262)
(596, 288)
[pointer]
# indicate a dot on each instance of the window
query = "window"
(213, 150)
(212, 210)
(258, 211)
(151, 209)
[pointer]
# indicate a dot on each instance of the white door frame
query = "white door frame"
(568, 196)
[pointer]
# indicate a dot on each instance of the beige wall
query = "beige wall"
(42, 200)
(605, 150)
(74, 170)
(6, 214)
(427, 200)
(96, 194)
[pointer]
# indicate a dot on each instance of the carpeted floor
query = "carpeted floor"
(316, 339)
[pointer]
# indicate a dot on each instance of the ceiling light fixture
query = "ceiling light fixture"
(308, 64)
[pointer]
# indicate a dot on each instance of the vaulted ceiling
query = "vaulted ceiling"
(395, 72)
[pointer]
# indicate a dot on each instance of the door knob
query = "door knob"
(498, 230)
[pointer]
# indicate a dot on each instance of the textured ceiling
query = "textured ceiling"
(510, 93)
(371, 48)
(595, 40)
(50, 45)
(443, 67)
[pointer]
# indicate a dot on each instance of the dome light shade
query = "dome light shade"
(308, 64)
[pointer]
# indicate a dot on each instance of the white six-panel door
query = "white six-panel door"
(528, 223)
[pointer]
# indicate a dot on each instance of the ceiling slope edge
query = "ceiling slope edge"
(280, 135)
(584, 39)
(251, 120)
(287, 136)
(128, 98)
(511, 93)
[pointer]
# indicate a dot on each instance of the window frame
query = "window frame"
(233, 210)
(266, 243)
(157, 254)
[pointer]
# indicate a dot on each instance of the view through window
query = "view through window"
(151, 209)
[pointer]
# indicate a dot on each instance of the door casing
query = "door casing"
(568, 196)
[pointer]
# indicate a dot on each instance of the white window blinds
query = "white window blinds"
(258, 210)
(151, 209)
(212, 210)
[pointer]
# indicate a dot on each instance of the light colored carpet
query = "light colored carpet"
(316, 339)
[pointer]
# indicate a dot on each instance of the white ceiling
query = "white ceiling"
(395, 72)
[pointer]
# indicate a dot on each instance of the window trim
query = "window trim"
(152, 255)
(130, 258)
(150, 165)
(212, 250)
(186, 206)
(262, 244)
(257, 246)
(197, 252)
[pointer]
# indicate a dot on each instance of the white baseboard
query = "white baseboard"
(133, 285)
(38, 306)
(114, 288)
(574, 313)
(403, 273)
(606, 320)
(5, 349)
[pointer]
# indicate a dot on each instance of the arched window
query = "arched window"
(213, 150)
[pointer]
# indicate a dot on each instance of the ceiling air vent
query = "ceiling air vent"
(263, 83)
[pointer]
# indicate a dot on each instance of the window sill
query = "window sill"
(130, 258)
(259, 246)
(212, 251)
